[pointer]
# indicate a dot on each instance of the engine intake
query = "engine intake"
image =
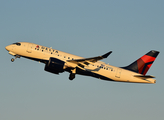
(54, 66)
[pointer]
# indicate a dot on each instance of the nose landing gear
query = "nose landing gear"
(13, 59)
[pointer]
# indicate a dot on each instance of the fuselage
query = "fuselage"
(98, 69)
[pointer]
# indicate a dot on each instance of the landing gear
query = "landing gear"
(13, 59)
(71, 76)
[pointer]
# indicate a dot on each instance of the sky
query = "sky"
(86, 28)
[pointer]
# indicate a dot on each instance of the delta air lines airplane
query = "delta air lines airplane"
(57, 62)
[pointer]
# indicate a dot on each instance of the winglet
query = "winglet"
(107, 54)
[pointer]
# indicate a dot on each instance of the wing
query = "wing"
(87, 61)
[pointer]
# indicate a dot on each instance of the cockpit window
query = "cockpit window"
(18, 44)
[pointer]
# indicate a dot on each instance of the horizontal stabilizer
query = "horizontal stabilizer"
(144, 76)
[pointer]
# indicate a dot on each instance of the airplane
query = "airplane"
(58, 62)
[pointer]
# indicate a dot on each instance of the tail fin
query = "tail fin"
(143, 64)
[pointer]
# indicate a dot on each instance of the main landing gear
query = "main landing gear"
(13, 59)
(72, 74)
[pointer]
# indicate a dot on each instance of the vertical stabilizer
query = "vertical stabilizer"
(143, 64)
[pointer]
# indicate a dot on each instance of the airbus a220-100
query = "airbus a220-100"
(58, 62)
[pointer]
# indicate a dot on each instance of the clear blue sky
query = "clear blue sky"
(86, 28)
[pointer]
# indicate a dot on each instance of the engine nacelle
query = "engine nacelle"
(54, 66)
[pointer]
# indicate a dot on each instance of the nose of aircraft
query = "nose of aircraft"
(8, 47)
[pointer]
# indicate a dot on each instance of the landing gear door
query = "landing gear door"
(29, 48)
(118, 73)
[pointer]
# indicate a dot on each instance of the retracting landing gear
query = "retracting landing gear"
(13, 59)
(72, 74)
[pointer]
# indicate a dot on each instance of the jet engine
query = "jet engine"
(55, 66)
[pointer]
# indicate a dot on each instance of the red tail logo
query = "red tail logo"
(143, 64)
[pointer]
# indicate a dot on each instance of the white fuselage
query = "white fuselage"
(99, 69)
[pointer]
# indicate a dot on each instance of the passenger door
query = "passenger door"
(118, 73)
(29, 48)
